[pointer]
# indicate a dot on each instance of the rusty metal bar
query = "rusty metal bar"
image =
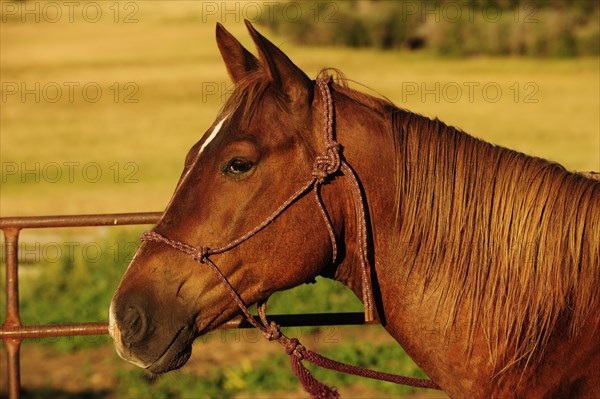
(53, 330)
(114, 219)
(12, 332)
(11, 243)
(12, 318)
(13, 372)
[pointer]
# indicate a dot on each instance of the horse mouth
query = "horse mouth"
(176, 354)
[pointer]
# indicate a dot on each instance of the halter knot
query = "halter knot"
(199, 254)
(327, 163)
(272, 332)
(293, 347)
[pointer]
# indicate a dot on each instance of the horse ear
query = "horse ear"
(280, 69)
(238, 61)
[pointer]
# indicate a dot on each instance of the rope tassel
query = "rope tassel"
(311, 385)
(318, 390)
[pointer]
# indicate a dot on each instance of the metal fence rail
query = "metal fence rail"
(13, 332)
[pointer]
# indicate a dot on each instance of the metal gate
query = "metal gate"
(13, 332)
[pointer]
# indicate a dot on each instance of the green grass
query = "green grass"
(71, 280)
(274, 375)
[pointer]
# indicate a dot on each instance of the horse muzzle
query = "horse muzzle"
(137, 341)
(118, 339)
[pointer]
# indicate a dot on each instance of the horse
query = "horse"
(480, 261)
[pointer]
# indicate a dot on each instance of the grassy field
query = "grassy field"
(66, 149)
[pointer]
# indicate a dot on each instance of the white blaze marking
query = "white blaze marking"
(210, 138)
(212, 134)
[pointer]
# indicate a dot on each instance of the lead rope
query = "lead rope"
(331, 161)
(326, 164)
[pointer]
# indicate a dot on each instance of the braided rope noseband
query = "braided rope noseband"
(326, 164)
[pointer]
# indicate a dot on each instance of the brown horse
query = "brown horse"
(485, 261)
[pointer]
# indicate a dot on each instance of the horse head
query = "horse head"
(258, 152)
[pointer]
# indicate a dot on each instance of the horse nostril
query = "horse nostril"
(135, 325)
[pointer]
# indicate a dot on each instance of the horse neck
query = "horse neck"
(501, 243)
(459, 228)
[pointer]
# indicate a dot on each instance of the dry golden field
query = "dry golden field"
(97, 117)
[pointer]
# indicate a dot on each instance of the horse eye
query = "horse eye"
(237, 166)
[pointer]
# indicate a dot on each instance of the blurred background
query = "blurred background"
(100, 101)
